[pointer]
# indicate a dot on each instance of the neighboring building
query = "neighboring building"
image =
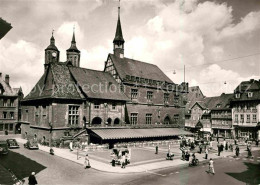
(155, 99)
(221, 117)
(5, 28)
(246, 110)
(9, 106)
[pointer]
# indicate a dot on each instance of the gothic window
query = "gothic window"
(148, 119)
(73, 115)
(134, 93)
(149, 95)
(133, 118)
(166, 98)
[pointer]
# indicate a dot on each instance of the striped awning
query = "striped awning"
(118, 133)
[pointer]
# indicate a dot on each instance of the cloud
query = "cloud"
(23, 61)
(247, 25)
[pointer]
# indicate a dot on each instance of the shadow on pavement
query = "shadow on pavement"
(20, 165)
(250, 176)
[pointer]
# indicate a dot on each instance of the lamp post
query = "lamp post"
(51, 150)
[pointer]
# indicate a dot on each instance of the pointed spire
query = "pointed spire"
(73, 37)
(119, 34)
(73, 46)
(52, 38)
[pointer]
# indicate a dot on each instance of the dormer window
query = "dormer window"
(218, 105)
(133, 78)
(137, 79)
(237, 95)
(250, 94)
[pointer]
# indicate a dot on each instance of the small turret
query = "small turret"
(52, 54)
(73, 54)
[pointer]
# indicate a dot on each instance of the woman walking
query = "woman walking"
(211, 167)
(86, 162)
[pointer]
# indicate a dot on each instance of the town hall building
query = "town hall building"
(130, 99)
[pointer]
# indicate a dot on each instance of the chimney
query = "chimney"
(7, 79)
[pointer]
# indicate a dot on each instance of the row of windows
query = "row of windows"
(149, 96)
(248, 118)
(5, 126)
(7, 102)
(148, 119)
(8, 115)
(249, 95)
(143, 80)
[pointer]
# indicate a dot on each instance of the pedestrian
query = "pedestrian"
(206, 153)
(211, 167)
(156, 149)
(219, 148)
(224, 142)
(113, 162)
(237, 151)
(71, 146)
(200, 146)
(256, 143)
(123, 161)
(231, 147)
(86, 162)
(226, 147)
(32, 179)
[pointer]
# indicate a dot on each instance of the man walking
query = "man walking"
(200, 146)
(219, 148)
(156, 149)
(32, 180)
(211, 167)
(237, 151)
(206, 153)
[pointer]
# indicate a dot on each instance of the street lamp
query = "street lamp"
(51, 150)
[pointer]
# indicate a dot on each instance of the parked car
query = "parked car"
(12, 143)
(30, 144)
(3, 147)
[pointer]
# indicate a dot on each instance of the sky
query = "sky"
(217, 41)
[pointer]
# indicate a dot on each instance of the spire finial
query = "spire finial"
(52, 32)
(73, 36)
(119, 10)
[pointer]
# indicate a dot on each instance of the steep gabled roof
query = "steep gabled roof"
(126, 66)
(97, 84)
(251, 85)
(60, 85)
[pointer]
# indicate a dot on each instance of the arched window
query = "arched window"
(116, 121)
(109, 121)
(167, 120)
(96, 121)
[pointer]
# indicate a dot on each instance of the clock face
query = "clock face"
(54, 54)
